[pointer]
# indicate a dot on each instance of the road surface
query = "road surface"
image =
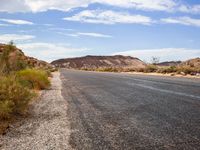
(127, 112)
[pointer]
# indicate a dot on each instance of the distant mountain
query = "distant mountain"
(169, 63)
(94, 62)
(17, 57)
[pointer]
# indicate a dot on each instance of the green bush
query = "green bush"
(170, 69)
(49, 73)
(150, 68)
(5, 109)
(34, 79)
(14, 98)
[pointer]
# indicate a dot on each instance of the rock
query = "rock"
(198, 74)
(182, 73)
(172, 74)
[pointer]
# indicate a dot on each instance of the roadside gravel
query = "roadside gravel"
(46, 128)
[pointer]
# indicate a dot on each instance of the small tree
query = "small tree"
(155, 60)
(5, 67)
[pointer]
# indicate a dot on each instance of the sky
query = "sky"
(54, 29)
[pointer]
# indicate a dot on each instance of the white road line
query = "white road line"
(167, 91)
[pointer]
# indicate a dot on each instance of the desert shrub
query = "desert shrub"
(188, 70)
(14, 98)
(140, 70)
(5, 67)
(10, 62)
(34, 79)
(84, 69)
(19, 65)
(150, 68)
(54, 69)
(5, 109)
(107, 69)
(170, 69)
(127, 69)
(49, 72)
(111, 69)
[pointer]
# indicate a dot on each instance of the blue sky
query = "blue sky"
(51, 29)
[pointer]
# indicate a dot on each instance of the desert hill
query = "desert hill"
(18, 58)
(188, 63)
(191, 63)
(95, 62)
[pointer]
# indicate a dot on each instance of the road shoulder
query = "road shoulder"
(47, 127)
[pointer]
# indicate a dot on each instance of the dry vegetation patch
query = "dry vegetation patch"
(14, 99)
(34, 79)
(18, 82)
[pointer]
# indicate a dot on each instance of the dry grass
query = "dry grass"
(4, 124)
(16, 93)
(150, 68)
(16, 84)
(34, 79)
(14, 97)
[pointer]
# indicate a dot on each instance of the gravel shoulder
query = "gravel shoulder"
(46, 128)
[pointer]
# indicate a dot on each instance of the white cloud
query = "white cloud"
(90, 34)
(3, 25)
(182, 20)
(109, 17)
(60, 29)
(12, 6)
(18, 22)
(195, 9)
(159, 5)
(65, 5)
(70, 34)
(49, 51)
(165, 54)
(94, 34)
(5, 38)
(40, 5)
(47, 25)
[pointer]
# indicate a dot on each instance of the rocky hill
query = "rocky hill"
(17, 57)
(191, 63)
(188, 63)
(95, 62)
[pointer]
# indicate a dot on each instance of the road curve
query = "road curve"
(127, 112)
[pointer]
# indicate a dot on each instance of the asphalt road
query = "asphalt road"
(127, 112)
